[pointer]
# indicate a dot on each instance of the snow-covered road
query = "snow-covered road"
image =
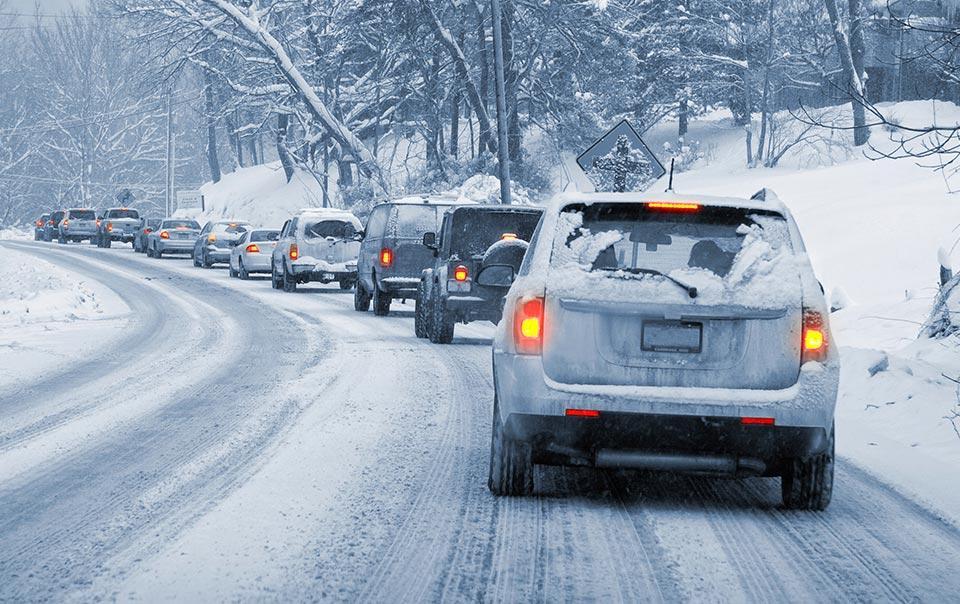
(236, 442)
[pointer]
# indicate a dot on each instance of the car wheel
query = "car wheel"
(62, 240)
(205, 260)
(381, 301)
(158, 253)
(511, 461)
(234, 273)
(346, 284)
(107, 242)
(289, 281)
(419, 312)
(361, 299)
(807, 484)
(243, 270)
(441, 330)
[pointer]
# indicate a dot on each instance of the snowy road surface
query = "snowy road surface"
(235, 442)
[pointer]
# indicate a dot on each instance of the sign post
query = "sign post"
(620, 161)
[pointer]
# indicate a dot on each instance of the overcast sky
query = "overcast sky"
(46, 6)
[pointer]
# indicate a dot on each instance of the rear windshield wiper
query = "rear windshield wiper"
(691, 290)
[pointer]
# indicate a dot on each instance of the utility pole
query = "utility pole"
(169, 187)
(502, 150)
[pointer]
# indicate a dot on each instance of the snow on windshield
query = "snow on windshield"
(732, 259)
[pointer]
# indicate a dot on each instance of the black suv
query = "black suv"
(476, 257)
(392, 255)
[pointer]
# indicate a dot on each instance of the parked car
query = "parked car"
(479, 249)
(317, 245)
(117, 224)
(216, 240)
(667, 333)
(78, 224)
(253, 252)
(144, 228)
(392, 255)
(173, 236)
(51, 230)
(39, 227)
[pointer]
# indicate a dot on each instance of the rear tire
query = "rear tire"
(244, 275)
(381, 301)
(420, 311)
(361, 299)
(234, 274)
(807, 484)
(275, 282)
(205, 260)
(289, 281)
(441, 330)
(107, 242)
(61, 240)
(346, 284)
(511, 461)
(158, 254)
(196, 261)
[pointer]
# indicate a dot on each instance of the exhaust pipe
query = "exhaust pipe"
(666, 462)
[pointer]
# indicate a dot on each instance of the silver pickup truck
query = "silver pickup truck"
(117, 224)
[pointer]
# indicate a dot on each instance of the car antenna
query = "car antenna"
(670, 182)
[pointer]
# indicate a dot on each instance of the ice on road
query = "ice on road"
(243, 443)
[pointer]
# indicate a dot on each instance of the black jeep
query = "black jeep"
(476, 257)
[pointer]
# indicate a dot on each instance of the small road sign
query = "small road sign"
(189, 200)
(620, 161)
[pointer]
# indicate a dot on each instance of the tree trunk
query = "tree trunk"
(212, 158)
(283, 126)
(485, 136)
(682, 118)
(861, 133)
(514, 138)
(455, 109)
(765, 99)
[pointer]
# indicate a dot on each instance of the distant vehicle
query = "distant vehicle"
(253, 252)
(144, 228)
(78, 224)
(392, 254)
(173, 236)
(317, 245)
(117, 224)
(51, 230)
(216, 240)
(39, 227)
(479, 250)
(667, 333)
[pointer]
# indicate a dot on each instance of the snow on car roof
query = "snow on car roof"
(428, 198)
(564, 199)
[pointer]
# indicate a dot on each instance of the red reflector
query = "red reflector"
(671, 206)
(582, 413)
(757, 421)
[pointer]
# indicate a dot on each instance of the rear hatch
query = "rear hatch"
(333, 240)
(473, 230)
(122, 221)
(404, 237)
(699, 297)
(81, 221)
(226, 234)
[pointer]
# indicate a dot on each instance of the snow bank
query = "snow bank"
(16, 233)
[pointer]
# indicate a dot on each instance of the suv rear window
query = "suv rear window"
(123, 214)
(83, 215)
(411, 220)
(229, 227)
(265, 236)
(338, 229)
(472, 232)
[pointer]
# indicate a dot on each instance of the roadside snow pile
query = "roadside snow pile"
(15, 233)
(483, 188)
(33, 291)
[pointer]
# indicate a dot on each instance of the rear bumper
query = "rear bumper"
(310, 269)
(121, 236)
(79, 233)
(218, 254)
(533, 406)
(400, 286)
(465, 307)
(174, 246)
(256, 263)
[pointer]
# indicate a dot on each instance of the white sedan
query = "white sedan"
(252, 252)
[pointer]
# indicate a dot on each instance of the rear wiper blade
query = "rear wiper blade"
(691, 290)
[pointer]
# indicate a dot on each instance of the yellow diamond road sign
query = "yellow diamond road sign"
(620, 161)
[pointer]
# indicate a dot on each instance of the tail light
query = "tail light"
(461, 273)
(757, 421)
(582, 413)
(109, 227)
(211, 237)
(386, 257)
(672, 206)
(528, 326)
(253, 248)
(39, 223)
(814, 345)
(294, 251)
(164, 235)
(147, 231)
(50, 222)
(65, 222)
(508, 237)
(98, 222)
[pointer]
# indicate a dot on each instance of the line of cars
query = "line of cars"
(667, 333)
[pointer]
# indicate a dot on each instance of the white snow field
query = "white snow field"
(220, 440)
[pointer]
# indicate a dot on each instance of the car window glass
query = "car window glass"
(123, 214)
(471, 231)
(83, 214)
(229, 227)
(338, 229)
(181, 224)
(378, 221)
(264, 235)
(413, 221)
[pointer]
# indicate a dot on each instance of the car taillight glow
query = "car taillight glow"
(164, 235)
(109, 227)
(253, 248)
(461, 273)
(98, 222)
(294, 251)
(508, 236)
(50, 222)
(672, 206)
(528, 326)
(757, 421)
(582, 413)
(211, 237)
(814, 345)
(386, 257)
(147, 231)
(65, 223)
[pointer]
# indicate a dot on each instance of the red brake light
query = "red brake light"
(528, 326)
(814, 344)
(582, 413)
(253, 248)
(109, 227)
(508, 236)
(148, 231)
(386, 257)
(294, 251)
(672, 206)
(98, 222)
(50, 222)
(461, 273)
(65, 222)
(164, 235)
(757, 421)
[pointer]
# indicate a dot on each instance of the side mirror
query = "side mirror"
(499, 275)
(358, 236)
(430, 240)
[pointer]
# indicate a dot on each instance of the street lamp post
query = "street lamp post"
(502, 149)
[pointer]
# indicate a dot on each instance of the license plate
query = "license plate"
(328, 275)
(671, 336)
